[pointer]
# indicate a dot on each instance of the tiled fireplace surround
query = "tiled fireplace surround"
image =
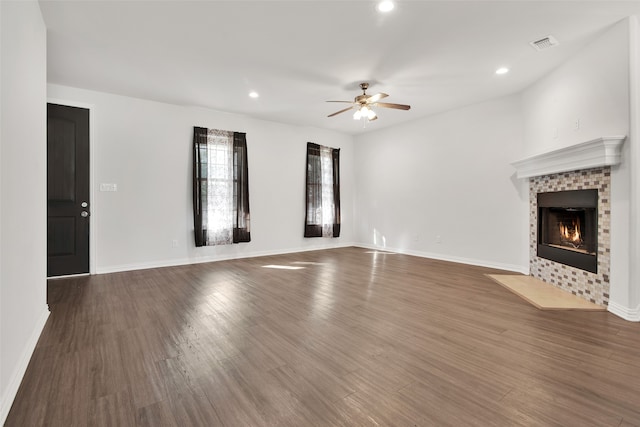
(590, 286)
(579, 167)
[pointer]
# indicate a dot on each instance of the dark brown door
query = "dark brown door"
(67, 190)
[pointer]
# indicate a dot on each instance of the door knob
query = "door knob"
(84, 214)
(84, 204)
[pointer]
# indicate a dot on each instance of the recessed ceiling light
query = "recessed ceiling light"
(502, 70)
(386, 6)
(254, 94)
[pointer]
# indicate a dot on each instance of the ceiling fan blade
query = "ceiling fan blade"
(376, 97)
(396, 106)
(341, 111)
(374, 118)
(348, 102)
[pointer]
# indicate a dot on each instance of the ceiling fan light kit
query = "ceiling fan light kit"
(385, 6)
(363, 105)
(365, 112)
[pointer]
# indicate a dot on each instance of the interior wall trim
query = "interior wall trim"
(630, 314)
(460, 260)
(21, 367)
(214, 258)
(603, 151)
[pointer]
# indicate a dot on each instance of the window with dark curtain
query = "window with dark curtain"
(322, 218)
(220, 187)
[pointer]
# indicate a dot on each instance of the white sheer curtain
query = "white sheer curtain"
(322, 218)
(218, 215)
(327, 211)
(220, 187)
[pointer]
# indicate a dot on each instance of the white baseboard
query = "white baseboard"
(460, 260)
(630, 314)
(21, 368)
(214, 258)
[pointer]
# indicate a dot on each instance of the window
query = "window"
(322, 217)
(220, 187)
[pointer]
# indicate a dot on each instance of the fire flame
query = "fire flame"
(571, 233)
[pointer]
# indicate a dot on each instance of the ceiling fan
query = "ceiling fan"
(363, 103)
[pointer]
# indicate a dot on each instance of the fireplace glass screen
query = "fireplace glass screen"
(568, 228)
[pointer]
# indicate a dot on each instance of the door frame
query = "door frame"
(92, 198)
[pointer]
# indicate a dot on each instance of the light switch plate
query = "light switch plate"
(108, 187)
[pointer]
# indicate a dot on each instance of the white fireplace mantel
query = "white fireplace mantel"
(604, 151)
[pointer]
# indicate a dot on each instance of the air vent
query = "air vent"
(544, 43)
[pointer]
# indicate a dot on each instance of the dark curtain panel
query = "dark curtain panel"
(314, 183)
(241, 221)
(199, 183)
(313, 222)
(335, 157)
(240, 175)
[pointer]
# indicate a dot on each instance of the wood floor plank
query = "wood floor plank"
(194, 409)
(548, 405)
(352, 338)
(112, 410)
(156, 415)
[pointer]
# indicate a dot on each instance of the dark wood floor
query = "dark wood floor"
(352, 338)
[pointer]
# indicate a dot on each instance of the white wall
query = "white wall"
(593, 87)
(145, 148)
(633, 307)
(447, 175)
(23, 309)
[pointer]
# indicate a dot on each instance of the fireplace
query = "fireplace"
(584, 166)
(568, 228)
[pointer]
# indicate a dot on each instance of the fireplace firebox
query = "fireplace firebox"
(568, 228)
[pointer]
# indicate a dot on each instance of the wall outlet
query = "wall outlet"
(438, 239)
(576, 125)
(555, 132)
(416, 237)
(174, 243)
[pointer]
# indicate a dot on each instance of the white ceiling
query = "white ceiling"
(433, 55)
